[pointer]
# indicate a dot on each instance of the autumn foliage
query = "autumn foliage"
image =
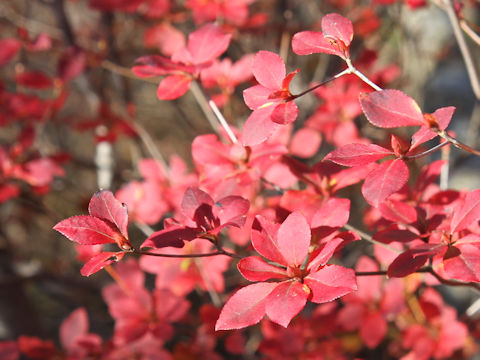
(293, 231)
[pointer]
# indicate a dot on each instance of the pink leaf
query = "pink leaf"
(106, 207)
(337, 27)
(390, 109)
(294, 239)
(386, 179)
(309, 42)
(269, 69)
(207, 43)
(357, 154)
(164, 37)
(466, 266)
(333, 213)
(398, 211)
(373, 329)
(8, 49)
(286, 301)
(99, 261)
(193, 200)
(88, 230)
(246, 307)
(330, 283)
(173, 86)
(285, 113)
(305, 143)
(468, 213)
(321, 256)
(258, 127)
(231, 210)
(9, 349)
(256, 96)
(74, 326)
(264, 240)
(71, 64)
(254, 268)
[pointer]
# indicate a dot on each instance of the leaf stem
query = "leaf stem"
(340, 74)
(427, 152)
(368, 238)
(361, 76)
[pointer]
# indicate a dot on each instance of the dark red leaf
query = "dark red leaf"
(106, 207)
(170, 237)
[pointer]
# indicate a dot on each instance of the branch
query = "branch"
(218, 252)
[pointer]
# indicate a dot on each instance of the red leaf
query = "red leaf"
(9, 350)
(75, 325)
(193, 200)
(207, 43)
(373, 329)
(34, 79)
(254, 268)
(357, 154)
(170, 237)
(406, 264)
(106, 207)
(256, 96)
(398, 211)
(330, 283)
(305, 143)
(321, 256)
(286, 301)
(390, 109)
(293, 239)
(71, 64)
(442, 116)
(99, 261)
(468, 213)
(386, 179)
(173, 86)
(259, 127)
(309, 42)
(164, 37)
(285, 113)
(88, 230)
(264, 240)
(231, 210)
(333, 213)
(269, 69)
(246, 307)
(337, 27)
(8, 49)
(466, 266)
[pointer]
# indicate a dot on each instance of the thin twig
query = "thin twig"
(462, 44)
(427, 152)
(361, 76)
(219, 252)
(344, 72)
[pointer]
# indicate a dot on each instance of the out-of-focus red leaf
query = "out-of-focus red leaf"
(305, 143)
(9, 350)
(466, 266)
(173, 86)
(8, 49)
(373, 329)
(333, 213)
(207, 43)
(71, 64)
(34, 79)
(75, 325)
(164, 37)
